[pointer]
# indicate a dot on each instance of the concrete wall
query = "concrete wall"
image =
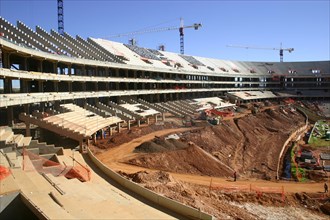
(295, 134)
(165, 202)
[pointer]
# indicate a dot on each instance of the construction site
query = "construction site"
(97, 129)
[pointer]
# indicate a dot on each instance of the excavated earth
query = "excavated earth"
(232, 205)
(250, 145)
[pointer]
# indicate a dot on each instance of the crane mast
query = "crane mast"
(181, 37)
(60, 17)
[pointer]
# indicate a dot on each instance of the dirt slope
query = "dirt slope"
(249, 145)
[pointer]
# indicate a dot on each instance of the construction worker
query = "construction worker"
(325, 187)
(235, 176)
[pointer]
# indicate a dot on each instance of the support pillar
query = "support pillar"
(148, 120)
(163, 115)
(128, 124)
(156, 118)
(94, 138)
(118, 127)
(27, 129)
(10, 116)
(102, 134)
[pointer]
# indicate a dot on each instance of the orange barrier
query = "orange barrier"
(35, 162)
(4, 172)
(259, 190)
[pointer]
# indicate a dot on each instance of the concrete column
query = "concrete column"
(69, 70)
(39, 68)
(23, 85)
(110, 131)
(10, 116)
(128, 124)
(40, 86)
(27, 130)
(70, 87)
(102, 135)
(148, 120)
(139, 123)
(8, 88)
(94, 138)
(56, 86)
(5, 61)
(118, 127)
(163, 115)
(156, 118)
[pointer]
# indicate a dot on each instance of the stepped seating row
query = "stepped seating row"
(124, 110)
(89, 118)
(115, 58)
(182, 108)
(186, 104)
(52, 126)
(192, 60)
(139, 109)
(97, 111)
(114, 112)
(153, 106)
(52, 47)
(55, 43)
(17, 36)
(142, 52)
(9, 139)
(171, 109)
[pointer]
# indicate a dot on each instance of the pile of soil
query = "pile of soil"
(160, 145)
(192, 160)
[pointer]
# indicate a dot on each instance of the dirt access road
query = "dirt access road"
(115, 157)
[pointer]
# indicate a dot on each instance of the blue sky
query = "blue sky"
(302, 25)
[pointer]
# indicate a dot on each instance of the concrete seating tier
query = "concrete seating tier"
(124, 110)
(172, 109)
(94, 50)
(52, 127)
(75, 49)
(83, 47)
(182, 107)
(140, 110)
(63, 49)
(168, 109)
(153, 106)
(97, 111)
(186, 105)
(8, 138)
(192, 60)
(143, 52)
(18, 36)
(53, 48)
(113, 57)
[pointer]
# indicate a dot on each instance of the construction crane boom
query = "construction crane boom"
(196, 26)
(266, 48)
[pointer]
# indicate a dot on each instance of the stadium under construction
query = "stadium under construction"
(85, 89)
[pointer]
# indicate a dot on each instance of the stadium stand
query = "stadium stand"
(94, 71)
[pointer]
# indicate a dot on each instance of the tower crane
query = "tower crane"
(196, 26)
(265, 48)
